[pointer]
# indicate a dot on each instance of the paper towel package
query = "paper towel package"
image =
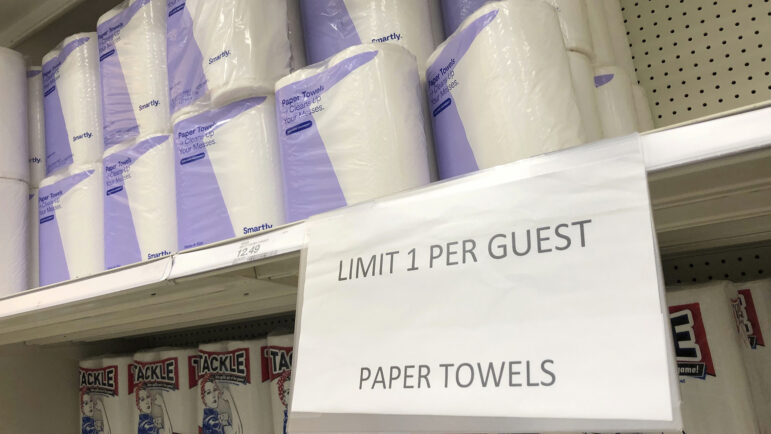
(231, 396)
(331, 26)
(36, 126)
(582, 72)
(619, 42)
(600, 32)
(227, 172)
(713, 381)
(295, 29)
(642, 109)
(277, 371)
(455, 11)
(14, 235)
(132, 63)
(615, 101)
(351, 129)
(73, 103)
(752, 308)
(437, 27)
(105, 406)
(33, 264)
(575, 25)
(71, 231)
(140, 211)
(14, 146)
(225, 50)
(159, 388)
(500, 89)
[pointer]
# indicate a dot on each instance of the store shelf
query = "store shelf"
(710, 187)
(19, 19)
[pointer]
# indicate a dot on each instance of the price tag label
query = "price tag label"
(525, 298)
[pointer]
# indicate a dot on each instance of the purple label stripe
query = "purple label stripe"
(187, 81)
(601, 80)
(327, 28)
(454, 154)
(310, 183)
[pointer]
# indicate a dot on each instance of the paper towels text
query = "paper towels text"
(515, 373)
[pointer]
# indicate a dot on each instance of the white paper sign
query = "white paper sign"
(522, 298)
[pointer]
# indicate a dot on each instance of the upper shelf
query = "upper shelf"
(710, 186)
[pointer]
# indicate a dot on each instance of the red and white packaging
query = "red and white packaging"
(277, 371)
(231, 397)
(714, 389)
(104, 400)
(159, 390)
(752, 307)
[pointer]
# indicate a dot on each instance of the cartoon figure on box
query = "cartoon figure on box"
(284, 386)
(94, 418)
(153, 415)
(220, 415)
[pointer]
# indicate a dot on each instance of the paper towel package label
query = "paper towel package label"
(691, 347)
(160, 374)
(747, 318)
(100, 380)
(550, 281)
(187, 81)
(276, 362)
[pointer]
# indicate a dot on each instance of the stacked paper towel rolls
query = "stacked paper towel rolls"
(225, 50)
(330, 27)
(582, 73)
(455, 11)
(619, 43)
(36, 126)
(752, 306)
(13, 235)
(160, 394)
(227, 172)
(500, 89)
(574, 24)
(72, 102)
(713, 380)
(104, 398)
(139, 201)
(132, 55)
(71, 232)
(351, 129)
(14, 173)
(615, 101)
(232, 395)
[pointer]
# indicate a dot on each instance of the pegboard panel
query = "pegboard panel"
(241, 330)
(737, 264)
(697, 58)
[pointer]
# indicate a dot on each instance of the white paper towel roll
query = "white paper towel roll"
(713, 381)
(455, 11)
(159, 388)
(225, 50)
(73, 103)
(277, 356)
(33, 262)
(140, 210)
(13, 117)
(132, 63)
(619, 42)
(295, 29)
(437, 27)
(351, 129)
(231, 393)
(14, 219)
(105, 406)
(582, 72)
(36, 126)
(752, 307)
(642, 109)
(598, 27)
(331, 26)
(500, 89)
(615, 101)
(575, 25)
(71, 231)
(227, 172)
